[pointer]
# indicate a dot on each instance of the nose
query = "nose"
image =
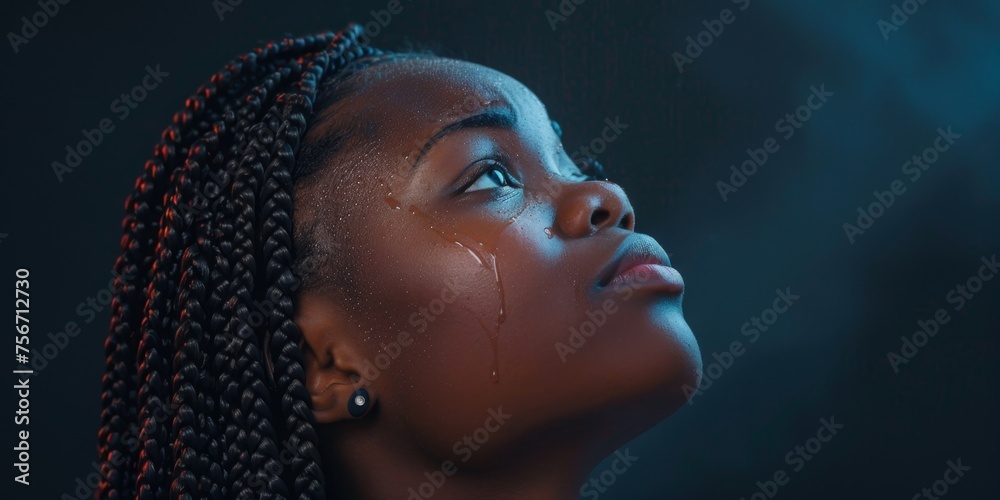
(584, 208)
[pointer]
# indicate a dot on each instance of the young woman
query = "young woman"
(354, 274)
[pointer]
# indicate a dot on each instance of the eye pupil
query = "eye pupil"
(498, 176)
(491, 177)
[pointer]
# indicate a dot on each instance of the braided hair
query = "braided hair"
(204, 391)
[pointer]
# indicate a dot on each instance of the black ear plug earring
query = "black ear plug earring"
(359, 403)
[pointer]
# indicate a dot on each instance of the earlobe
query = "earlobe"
(330, 396)
(330, 405)
(332, 360)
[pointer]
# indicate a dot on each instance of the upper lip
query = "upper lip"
(636, 250)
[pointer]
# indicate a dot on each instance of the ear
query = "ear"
(332, 357)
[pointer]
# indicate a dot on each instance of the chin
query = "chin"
(654, 395)
(664, 375)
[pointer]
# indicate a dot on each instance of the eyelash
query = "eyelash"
(591, 172)
(486, 166)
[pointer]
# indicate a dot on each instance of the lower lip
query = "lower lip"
(650, 276)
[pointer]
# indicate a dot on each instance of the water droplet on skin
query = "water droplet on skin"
(487, 259)
(472, 253)
(502, 315)
(495, 346)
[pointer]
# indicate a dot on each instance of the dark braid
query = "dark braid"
(203, 392)
(142, 209)
(276, 227)
(252, 434)
(191, 431)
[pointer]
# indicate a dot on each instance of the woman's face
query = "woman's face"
(479, 268)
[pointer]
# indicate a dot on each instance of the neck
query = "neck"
(377, 467)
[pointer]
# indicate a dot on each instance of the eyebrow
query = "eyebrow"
(501, 118)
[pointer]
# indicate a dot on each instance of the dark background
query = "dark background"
(826, 356)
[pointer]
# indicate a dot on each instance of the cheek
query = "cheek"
(417, 280)
(427, 284)
(542, 291)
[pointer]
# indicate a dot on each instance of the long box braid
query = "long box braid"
(200, 397)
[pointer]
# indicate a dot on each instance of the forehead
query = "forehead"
(415, 97)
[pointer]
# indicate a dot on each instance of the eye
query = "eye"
(592, 170)
(490, 175)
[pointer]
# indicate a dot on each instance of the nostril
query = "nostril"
(626, 222)
(599, 216)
